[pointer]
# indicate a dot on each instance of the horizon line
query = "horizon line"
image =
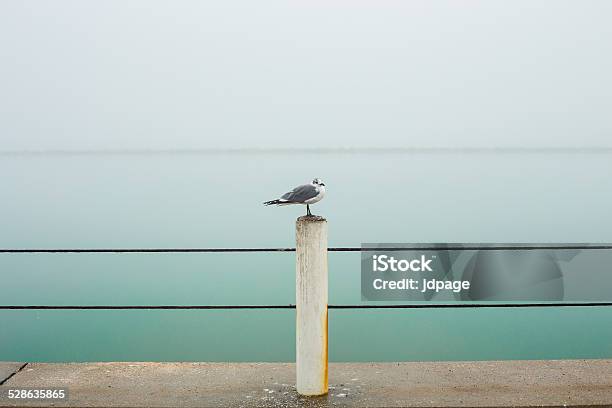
(311, 150)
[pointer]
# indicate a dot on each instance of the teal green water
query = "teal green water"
(215, 201)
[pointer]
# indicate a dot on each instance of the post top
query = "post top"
(311, 218)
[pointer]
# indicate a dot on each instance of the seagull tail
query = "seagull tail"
(272, 202)
(277, 202)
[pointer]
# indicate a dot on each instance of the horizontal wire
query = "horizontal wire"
(470, 305)
(331, 249)
(291, 306)
(144, 250)
(141, 307)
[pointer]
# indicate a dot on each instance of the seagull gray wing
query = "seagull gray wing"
(301, 194)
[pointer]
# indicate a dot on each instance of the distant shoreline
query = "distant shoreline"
(316, 150)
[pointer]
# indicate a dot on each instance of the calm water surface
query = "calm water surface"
(215, 201)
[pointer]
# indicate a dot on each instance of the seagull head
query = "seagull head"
(318, 182)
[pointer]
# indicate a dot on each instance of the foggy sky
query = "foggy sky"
(119, 74)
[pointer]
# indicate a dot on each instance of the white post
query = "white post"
(311, 305)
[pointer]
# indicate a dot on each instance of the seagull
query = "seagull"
(305, 194)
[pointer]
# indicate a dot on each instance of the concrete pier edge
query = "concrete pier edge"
(8, 369)
(548, 383)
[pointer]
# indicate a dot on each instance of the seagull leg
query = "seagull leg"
(308, 210)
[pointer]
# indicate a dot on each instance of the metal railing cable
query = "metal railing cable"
(290, 306)
(449, 247)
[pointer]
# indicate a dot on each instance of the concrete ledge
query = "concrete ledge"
(438, 384)
(7, 369)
